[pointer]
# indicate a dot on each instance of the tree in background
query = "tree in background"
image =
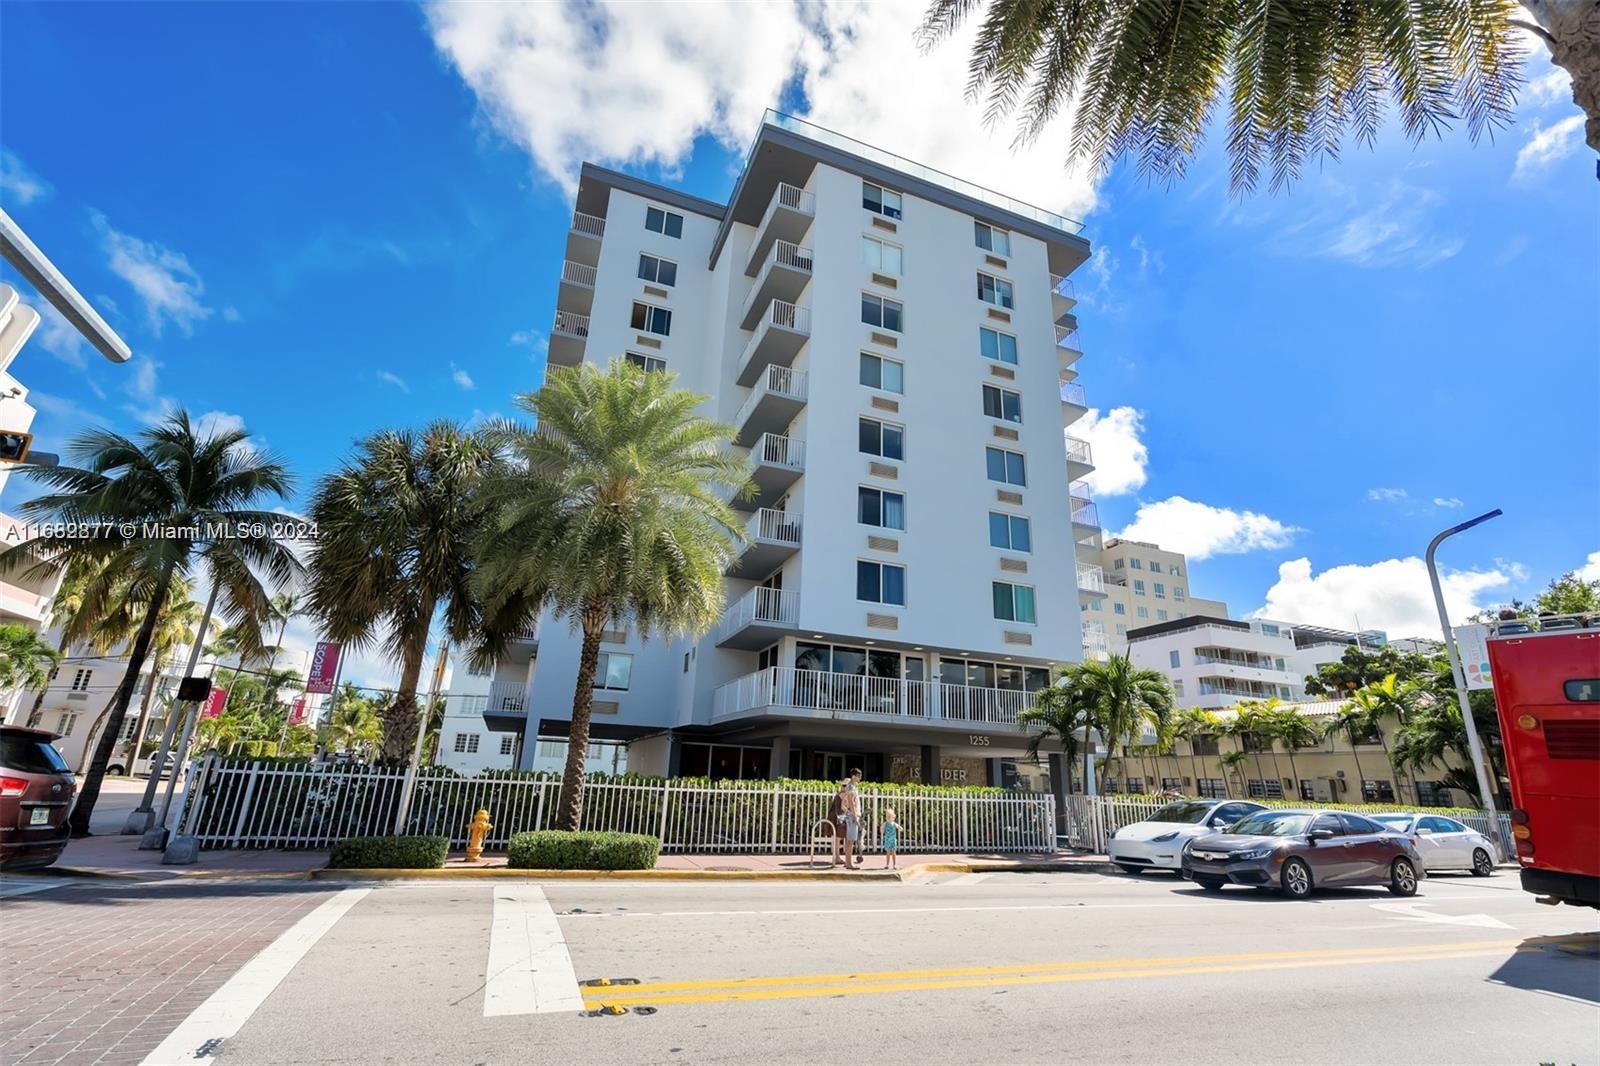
(1144, 79)
(75, 609)
(1351, 720)
(156, 499)
(1293, 730)
(1122, 701)
(1190, 725)
(1362, 666)
(353, 723)
(1383, 702)
(612, 514)
(396, 523)
(25, 660)
(1567, 594)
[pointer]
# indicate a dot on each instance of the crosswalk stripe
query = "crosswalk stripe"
(529, 970)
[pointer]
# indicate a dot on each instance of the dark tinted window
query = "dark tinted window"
(1583, 690)
(1229, 813)
(31, 755)
(1186, 813)
(1355, 824)
(1330, 822)
(1273, 824)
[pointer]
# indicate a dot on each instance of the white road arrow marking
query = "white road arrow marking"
(1412, 912)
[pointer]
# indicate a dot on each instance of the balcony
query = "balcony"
(567, 338)
(774, 537)
(1074, 401)
(786, 692)
(576, 292)
(583, 238)
(784, 276)
(781, 332)
(772, 405)
(1063, 296)
(778, 463)
(1080, 458)
(1068, 348)
(1094, 636)
(1085, 514)
(787, 218)
(508, 697)
(758, 618)
(1091, 580)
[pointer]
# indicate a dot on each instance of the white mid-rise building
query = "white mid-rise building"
(895, 348)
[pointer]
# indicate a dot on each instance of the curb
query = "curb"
(492, 873)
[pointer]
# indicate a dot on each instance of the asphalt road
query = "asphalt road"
(975, 968)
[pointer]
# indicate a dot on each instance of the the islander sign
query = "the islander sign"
(324, 668)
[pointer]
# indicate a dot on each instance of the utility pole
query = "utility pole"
(1480, 765)
(410, 785)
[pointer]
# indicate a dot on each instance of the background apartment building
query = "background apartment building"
(895, 348)
(1130, 584)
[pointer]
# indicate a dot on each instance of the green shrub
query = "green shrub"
(390, 853)
(553, 849)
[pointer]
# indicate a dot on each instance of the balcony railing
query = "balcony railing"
(782, 313)
(1072, 392)
(781, 381)
(774, 525)
(782, 254)
(588, 225)
(821, 693)
(1251, 662)
(1085, 513)
(794, 198)
(508, 698)
(578, 273)
(1216, 686)
(1067, 337)
(1062, 286)
(1094, 636)
(760, 606)
(1091, 578)
(1078, 451)
(779, 451)
(572, 324)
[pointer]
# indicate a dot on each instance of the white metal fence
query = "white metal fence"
(262, 805)
(1092, 819)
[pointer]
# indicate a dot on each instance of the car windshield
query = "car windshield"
(1393, 821)
(1184, 813)
(1272, 824)
(30, 754)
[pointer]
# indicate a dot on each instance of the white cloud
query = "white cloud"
(1119, 455)
(1590, 570)
(1393, 232)
(1200, 531)
(1384, 495)
(59, 337)
(1393, 595)
(1554, 86)
(394, 379)
(1548, 145)
(462, 378)
(1447, 501)
(231, 314)
(218, 422)
(146, 402)
(18, 182)
(163, 279)
(570, 83)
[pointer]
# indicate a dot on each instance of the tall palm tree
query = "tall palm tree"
(1057, 715)
(1232, 761)
(1293, 730)
(1122, 700)
(172, 500)
(1431, 733)
(396, 523)
(1144, 79)
(1247, 725)
(25, 659)
(1349, 720)
(612, 514)
(1382, 702)
(1190, 725)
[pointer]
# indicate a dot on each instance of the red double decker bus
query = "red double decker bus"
(1547, 687)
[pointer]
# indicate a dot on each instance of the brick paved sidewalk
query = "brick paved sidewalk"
(119, 856)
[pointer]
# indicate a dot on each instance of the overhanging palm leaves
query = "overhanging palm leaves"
(1143, 78)
(25, 659)
(1119, 700)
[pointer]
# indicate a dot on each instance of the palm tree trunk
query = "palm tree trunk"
(89, 794)
(1361, 778)
(1572, 32)
(144, 714)
(570, 805)
(400, 717)
(1295, 770)
(1194, 762)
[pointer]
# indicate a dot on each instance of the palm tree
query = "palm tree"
(1294, 730)
(175, 498)
(1349, 719)
(1121, 700)
(75, 608)
(1190, 725)
(1382, 701)
(1428, 735)
(395, 527)
(1144, 79)
(352, 722)
(1056, 715)
(25, 660)
(1232, 761)
(612, 514)
(1247, 726)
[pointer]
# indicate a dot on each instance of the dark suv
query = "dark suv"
(36, 790)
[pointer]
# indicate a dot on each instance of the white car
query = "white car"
(1157, 843)
(1444, 843)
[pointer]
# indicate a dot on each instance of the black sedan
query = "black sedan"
(1297, 851)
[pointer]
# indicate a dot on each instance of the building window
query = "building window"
(880, 583)
(993, 240)
(660, 271)
(1001, 347)
(650, 319)
(1271, 788)
(1138, 588)
(80, 680)
(993, 290)
(508, 744)
(127, 734)
(1172, 569)
(1432, 794)
(1155, 566)
(69, 719)
(1002, 403)
(1161, 615)
(1173, 658)
(1135, 564)
(1116, 564)
(1171, 784)
(1094, 605)
(880, 373)
(1269, 629)
(1142, 612)
(1009, 468)
(881, 313)
(1010, 532)
(1177, 689)
(1013, 603)
(1210, 788)
(1308, 789)
(1203, 744)
(1161, 591)
(882, 256)
(647, 363)
(1255, 743)
(882, 439)
(669, 223)
(1119, 608)
(880, 201)
(1377, 791)
(466, 743)
(613, 671)
(1122, 630)
(1177, 592)
(875, 507)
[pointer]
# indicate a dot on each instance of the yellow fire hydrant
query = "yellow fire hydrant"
(475, 833)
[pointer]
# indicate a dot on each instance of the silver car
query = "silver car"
(1444, 843)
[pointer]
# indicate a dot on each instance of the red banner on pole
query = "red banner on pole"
(324, 668)
(214, 703)
(298, 711)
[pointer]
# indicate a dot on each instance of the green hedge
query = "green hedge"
(391, 853)
(553, 849)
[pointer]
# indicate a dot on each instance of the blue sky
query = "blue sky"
(322, 220)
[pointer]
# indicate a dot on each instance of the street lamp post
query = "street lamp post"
(1480, 765)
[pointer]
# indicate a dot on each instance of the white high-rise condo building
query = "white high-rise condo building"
(896, 349)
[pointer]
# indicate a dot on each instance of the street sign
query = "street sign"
(1472, 644)
(194, 689)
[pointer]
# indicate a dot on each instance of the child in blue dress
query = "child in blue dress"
(891, 839)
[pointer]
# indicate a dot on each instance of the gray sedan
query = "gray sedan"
(1297, 851)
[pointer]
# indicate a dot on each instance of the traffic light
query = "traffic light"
(194, 688)
(14, 446)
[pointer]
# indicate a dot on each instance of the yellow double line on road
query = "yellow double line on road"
(816, 986)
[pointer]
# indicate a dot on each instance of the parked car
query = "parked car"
(1297, 851)
(1157, 842)
(1444, 843)
(36, 790)
(142, 766)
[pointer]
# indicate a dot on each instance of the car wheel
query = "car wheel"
(1210, 884)
(1482, 864)
(1402, 878)
(117, 771)
(1296, 879)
